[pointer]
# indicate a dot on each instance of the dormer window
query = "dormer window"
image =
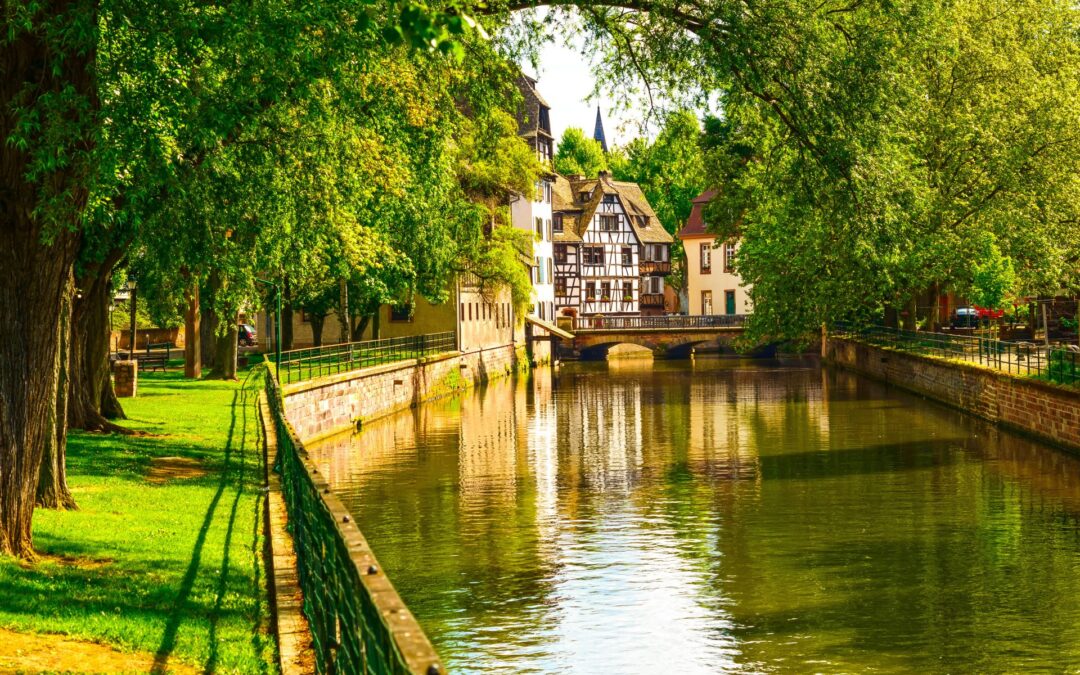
(584, 194)
(609, 199)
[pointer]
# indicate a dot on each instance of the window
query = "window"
(706, 302)
(729, 302)
(470, 311)
(656, 285)
(706, 259)
(590, 290)
(609, 199)
(584, 195)
(560, 253)
(550, 271)
(556, 222)
(627, 256)
(401, 313)
(605, 291)
(729, 256)
(539, 271)
(628, 291)
(540, 227)
(547, 224)
(609, 223)
(594, 255)
(560, 286)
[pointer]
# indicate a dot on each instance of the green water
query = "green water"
(720, 516)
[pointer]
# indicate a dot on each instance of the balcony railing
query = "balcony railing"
(657, 323)
(305, 364)
(654, 267)
(652, 300)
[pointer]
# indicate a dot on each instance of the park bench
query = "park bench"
(152, 360)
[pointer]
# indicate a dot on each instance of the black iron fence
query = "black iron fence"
(673, 322)
(303, 364)
(358, 622)
(1028, 359)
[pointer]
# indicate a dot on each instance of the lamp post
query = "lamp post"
(277, 323)
(131, 284)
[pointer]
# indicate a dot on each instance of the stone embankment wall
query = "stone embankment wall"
(335, 403)
(1046, 411)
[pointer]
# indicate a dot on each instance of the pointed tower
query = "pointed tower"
(598, 131)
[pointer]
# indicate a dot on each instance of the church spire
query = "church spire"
(598, 131)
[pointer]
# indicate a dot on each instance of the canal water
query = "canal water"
(718, 516)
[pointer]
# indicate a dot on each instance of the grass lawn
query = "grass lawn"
(165, 563)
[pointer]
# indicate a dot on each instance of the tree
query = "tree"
(579, 155)
(108, 104)
(671, 173)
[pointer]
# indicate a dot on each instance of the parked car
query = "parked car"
(245, 335)
(965, 317)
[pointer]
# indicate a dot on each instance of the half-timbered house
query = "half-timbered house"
(611, 252)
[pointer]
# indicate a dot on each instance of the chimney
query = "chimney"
(605, 176)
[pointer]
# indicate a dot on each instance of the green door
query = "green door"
(729, 302)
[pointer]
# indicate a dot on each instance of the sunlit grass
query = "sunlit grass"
(175, 568)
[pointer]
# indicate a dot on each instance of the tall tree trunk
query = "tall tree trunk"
(317, 323)
(90, 387)
(192, 333)
(35, 269)
(225, 359)
(208, 336)
(360, 324)
(935, 309)
(286, 319)
(892, 317)
(343, 311)
(911, 321)
(52, 488)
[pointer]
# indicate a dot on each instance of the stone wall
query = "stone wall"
(1046, 411)
(328, 405)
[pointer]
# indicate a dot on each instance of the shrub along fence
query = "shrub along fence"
(1053, 364)
(359, 624)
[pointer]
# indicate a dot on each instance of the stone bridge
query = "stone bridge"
(667, 336)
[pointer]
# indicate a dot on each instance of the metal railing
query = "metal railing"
(358, 622)
(674, 322)
(1055, 364)
(303, 364)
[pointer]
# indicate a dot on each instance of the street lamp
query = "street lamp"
(131, 283)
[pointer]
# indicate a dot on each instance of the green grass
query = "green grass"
(179, 570)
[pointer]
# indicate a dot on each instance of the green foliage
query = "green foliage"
(671, 173)
(992, 277)
(579, 155)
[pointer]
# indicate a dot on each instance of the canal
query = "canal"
(718, 516)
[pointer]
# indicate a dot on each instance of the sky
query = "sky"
(565, 82)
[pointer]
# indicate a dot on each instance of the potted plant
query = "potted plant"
(628, 298)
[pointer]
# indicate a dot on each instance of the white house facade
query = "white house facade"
(712, 285)
(611, 252)
(534, 125)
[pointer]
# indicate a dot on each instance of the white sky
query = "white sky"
(565, 83)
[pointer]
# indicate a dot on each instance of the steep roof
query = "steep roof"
(533, 113)
(577, 199)
(695, 224)
(598, 131)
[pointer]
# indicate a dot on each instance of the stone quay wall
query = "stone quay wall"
(328, 405)
(1045, 411)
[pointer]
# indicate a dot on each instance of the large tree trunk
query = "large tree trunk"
(192, 334)
(35, 269)
(343, 311)
(90, 389)
(317, 323)
(225, 359)
(911, 321)
(286, 319)
(52, 489)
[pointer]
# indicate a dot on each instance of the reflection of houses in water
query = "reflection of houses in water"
(543, 450)
(603, 434)
(492, 426)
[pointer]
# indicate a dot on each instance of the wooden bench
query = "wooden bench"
(153, 360)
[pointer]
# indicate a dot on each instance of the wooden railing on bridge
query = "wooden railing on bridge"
(657, 323)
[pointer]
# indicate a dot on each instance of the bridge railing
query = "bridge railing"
(673, 322)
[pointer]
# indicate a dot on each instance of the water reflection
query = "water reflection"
(718, 516)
